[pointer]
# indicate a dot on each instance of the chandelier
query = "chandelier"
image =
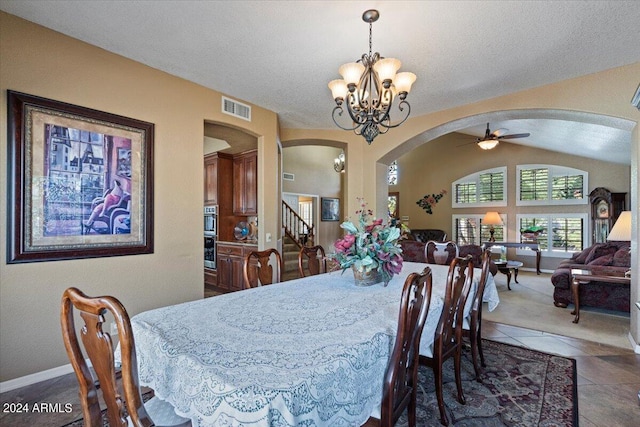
(369, 87)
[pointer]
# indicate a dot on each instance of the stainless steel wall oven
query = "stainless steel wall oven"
(210, 235)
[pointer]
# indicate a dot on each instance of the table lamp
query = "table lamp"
(491, 219)
(621, 231)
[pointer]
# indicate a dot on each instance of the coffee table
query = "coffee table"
(506, 267)
(579, 276)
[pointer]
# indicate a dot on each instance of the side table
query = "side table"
(506, 267)
(579, 276)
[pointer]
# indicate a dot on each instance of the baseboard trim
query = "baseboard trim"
(35, 378)
(634, 344)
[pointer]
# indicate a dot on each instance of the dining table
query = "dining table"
(306, 352)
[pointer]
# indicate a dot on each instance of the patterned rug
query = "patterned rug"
(520, 387)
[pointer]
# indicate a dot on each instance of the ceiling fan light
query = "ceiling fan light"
(403, 81)
(488, 144)
(338, 88)
(387, 68)
(351, 72)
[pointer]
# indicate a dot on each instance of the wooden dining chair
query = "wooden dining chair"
(314, 259)
(262, 268)
(472, 323)
(400, 382)
(440, 252)
(447, 340)
(99, 349)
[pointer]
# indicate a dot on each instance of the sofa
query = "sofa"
(426, 234)
(414, 251)
(605, 257)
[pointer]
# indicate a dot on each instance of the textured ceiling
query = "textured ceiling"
(281, 54)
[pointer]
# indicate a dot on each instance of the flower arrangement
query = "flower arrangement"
(430, 200)
(369, 246)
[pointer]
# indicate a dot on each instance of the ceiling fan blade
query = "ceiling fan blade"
(499, 132)
(515, 135)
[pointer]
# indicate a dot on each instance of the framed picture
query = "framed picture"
(80, 182)
(330, 209)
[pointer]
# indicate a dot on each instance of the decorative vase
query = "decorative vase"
(365, 278)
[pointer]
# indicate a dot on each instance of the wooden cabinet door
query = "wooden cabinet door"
(251, 184)
(245, 184)
(238, 186)
(210, 181)
(224, 273)
(238, 279)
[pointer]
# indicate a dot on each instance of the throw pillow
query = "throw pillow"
(601, 250)
(622, 258)
(603, 260)
(580, 257)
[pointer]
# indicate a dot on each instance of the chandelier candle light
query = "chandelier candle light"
(369, 87)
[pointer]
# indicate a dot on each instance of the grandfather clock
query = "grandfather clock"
(605, 210)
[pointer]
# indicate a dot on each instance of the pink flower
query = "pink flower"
(349, 240)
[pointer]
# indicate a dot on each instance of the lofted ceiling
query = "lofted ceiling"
(280, 55)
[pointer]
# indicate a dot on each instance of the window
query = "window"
(469, 230)
(550, 185)
(484, 188)
(392, 174)
(560, 235)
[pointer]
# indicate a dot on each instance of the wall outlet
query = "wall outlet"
(114, 329)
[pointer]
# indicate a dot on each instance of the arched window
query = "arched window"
(484, 188)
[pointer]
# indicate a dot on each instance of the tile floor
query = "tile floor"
(608, 382)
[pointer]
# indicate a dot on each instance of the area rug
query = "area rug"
(520, 387)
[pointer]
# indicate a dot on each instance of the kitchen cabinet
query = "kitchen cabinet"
(245, 183)
(230, 261)
(217, 185)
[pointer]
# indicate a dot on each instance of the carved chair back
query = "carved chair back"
(400, 384)
(472, 325)
(440, 253)
(99, 349)
(262, 268)
(314, 259)
(448, 335)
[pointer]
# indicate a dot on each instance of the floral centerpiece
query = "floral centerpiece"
(369, 247)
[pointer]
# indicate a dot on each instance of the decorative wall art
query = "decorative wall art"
(80, 182)
(330, 209)
(430, 200)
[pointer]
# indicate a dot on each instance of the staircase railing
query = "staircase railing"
(296, 227)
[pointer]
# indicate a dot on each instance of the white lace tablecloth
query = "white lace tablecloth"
(307, 352)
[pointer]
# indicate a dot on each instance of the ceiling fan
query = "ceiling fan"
(491, 139)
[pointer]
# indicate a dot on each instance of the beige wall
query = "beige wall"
(312, 166)
(41, 62)
(435, 165)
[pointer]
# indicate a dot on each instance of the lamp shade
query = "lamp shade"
(621, 230)
(338, 89)
(351, 72)
(387, 68)
(403, 81)
(492, 218)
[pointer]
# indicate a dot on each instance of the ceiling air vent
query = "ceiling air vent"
(288, 176)
(236, 109)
